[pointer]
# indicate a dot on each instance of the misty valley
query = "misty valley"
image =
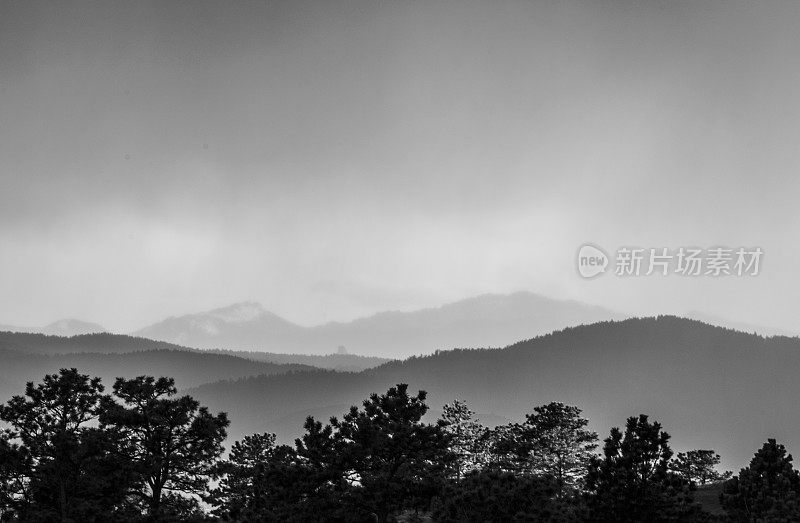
(636, 419)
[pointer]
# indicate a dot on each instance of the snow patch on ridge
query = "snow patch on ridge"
(239, 313)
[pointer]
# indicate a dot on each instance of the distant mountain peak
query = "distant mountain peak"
(71, 327)
(240, 312)
(243, 325)
(488, 320)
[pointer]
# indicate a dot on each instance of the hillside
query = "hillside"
(340, 362)
(490, 320)
(65, 327)
(710, 387)
(33, 343)
(764, 330)
(28, 356)
(36, 343)
(189, 369)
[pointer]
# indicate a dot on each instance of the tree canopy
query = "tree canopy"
(72, 452)
(767, 490)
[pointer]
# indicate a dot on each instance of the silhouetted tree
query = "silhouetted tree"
(554, 442)
(62, 469)
(383, 457)
(15, 470)
(502, 443)
(698, 467)
(632, 482)
(320, 479)
(468, 438)
(767, 490)
(240, 489)
(261, 481)
(172, 443)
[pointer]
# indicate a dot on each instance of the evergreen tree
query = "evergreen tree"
(468, 438)
(503, 443)
(698, 467)
(555, 442)
(172, 443)
(393, 460)
(383, 459)
(62, 468)
(260, 481)
(767, 490)
(321, 477)
(239, 487)
(632, 482)
(15, 471)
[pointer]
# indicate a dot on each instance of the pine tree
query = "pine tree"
(632, 482)
(553, 441)
(699, 467)
(16, 466)
(767, 490)
(559, 445)
(258, 482)
(468, 437)
(172, 443)
(383, 459)
(63, 469)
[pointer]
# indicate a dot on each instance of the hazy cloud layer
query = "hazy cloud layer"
(330, 159)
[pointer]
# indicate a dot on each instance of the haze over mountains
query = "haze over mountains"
(703, 382)
(710, 387)
(489, 320)
(65, 327)
(743, 326)
(29, 356)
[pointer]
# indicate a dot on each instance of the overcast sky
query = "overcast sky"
(333, 159)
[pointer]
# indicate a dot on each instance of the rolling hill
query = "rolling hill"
(489, 320)
(28, 357)
(36, 343)
(710, 387)
(340, 362)
(188, 368)
(105, 343)
(65, 327)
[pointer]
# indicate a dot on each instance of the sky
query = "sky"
(335, 159)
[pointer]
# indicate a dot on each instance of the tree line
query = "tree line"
(70, 452)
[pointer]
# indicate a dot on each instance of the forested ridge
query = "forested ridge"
(704, 382)
(603, 422)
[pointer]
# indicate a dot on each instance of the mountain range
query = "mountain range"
(29, 356)
(65, 327)
(489, 320)
(711, 387)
